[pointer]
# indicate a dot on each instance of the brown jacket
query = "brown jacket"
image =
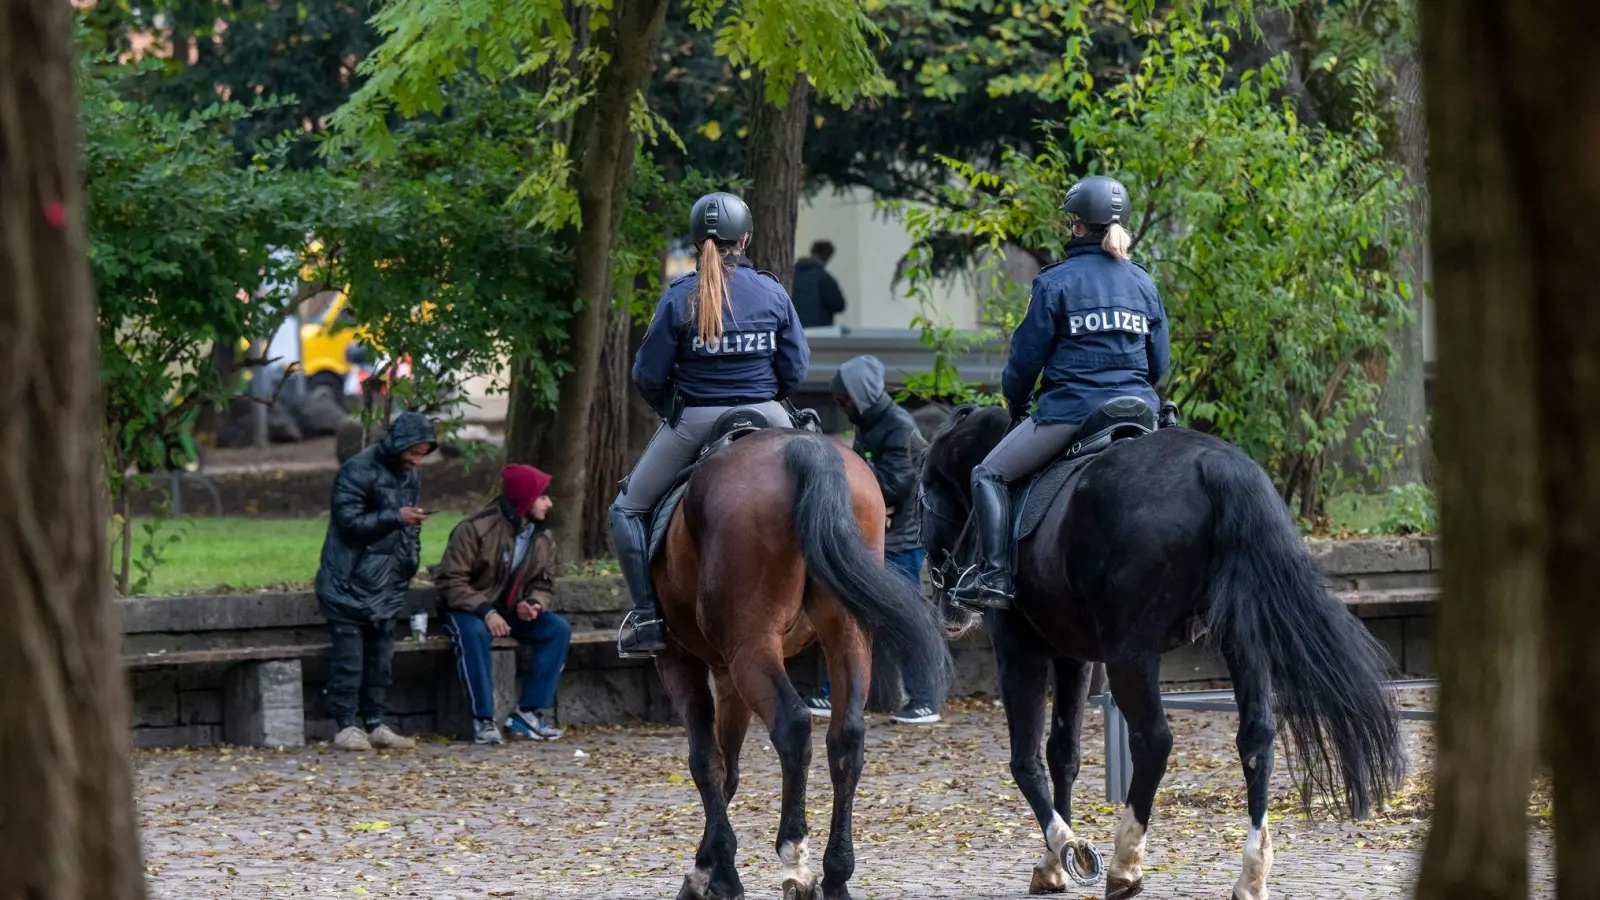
(476, 573)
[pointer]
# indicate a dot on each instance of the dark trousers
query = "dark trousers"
(362, 663)
(918, 684)
(549, 636)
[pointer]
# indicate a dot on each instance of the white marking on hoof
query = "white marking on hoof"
(1048, 876)
(1252, 883)
(1125, 863)
(698, 881)
(798, 882)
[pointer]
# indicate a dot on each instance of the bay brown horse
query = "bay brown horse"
(1160, 540)
(779, 541)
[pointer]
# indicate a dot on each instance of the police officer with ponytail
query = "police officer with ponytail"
(723, 336)
(1095, 328)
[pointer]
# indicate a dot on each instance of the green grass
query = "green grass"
(1355, 513)
(254, 553)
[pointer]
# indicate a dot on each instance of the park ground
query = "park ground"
(611, 813)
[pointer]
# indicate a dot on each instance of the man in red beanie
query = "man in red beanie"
(495, 581)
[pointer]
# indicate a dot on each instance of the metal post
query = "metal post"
(1119, 762)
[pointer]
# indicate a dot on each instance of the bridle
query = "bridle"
(949, 572)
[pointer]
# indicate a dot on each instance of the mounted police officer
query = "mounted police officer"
(723, 336)
(1097, 331)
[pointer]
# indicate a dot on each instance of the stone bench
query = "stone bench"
(263, 702)
(244, 667)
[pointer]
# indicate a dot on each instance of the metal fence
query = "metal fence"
(1119, 761)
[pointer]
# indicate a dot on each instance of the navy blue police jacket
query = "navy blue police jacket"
(762, 354)
(1095, 329)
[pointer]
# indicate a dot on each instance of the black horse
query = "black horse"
(1163, 539)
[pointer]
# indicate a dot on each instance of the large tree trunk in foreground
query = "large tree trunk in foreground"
(66, 799)
(1513, 108)
(777, 173)
(1551, 78)
(601, 147)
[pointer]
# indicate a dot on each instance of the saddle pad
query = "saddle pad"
(1037, 495)
(662, 517)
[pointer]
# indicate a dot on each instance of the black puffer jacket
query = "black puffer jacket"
(368, 557)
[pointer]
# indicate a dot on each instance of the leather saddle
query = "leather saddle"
(1119, 420)
(731, 426)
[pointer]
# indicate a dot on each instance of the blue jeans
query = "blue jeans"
(917, 683)
(548, 635)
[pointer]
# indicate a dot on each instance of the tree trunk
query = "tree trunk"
(777, 173)
(1548, 124)
(1403, 405)
(600, 145)
(608, 448)
(1492, 520)
(67, 831)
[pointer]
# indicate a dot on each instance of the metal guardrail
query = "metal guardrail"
(1119, 760)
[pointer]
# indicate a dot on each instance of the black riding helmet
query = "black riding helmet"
(1098, 200)
(722, 217)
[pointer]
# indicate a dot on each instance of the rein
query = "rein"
(938, 575)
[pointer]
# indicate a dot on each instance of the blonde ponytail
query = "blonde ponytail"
(710, 293)
(1117, 241)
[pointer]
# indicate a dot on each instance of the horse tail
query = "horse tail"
(1269, 605)
(889, 606)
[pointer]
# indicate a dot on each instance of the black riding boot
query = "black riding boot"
(991, 503)
(641, 631)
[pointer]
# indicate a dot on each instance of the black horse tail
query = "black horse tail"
(1270, 607)
(888, 605)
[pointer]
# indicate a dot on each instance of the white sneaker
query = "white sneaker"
(385, 738)
(915, 715)
(353, 739)
(820, 707)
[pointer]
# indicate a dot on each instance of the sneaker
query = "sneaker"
(915, 715)
(530, 725)
(820, 707)
(484, 732)
(385, 738)
(353, 738)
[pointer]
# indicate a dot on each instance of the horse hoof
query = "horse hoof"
(1082, 862)
(794, 889)
(1042, 884)
(1120, 889)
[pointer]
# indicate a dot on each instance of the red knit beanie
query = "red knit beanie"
(523, 485)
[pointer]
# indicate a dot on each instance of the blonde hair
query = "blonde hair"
(710, 292)
(1117, 241)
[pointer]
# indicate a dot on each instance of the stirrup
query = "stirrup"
(640, 636)
(979, 596)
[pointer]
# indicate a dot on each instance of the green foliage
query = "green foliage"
(182, 245)
(431, 244)
(1272, 243)
(427, 43)
(1409, 509)
(302, 53)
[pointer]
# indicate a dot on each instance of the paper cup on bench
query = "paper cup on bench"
(419, 626)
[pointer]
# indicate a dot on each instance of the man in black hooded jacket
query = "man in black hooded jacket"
(369, 556)
(888, 439)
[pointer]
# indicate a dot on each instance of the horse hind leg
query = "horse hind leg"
(1024, 669)
(1064, 755)
(849, 655)
(761, 680)
(714, 876)
(1136, 687)
(1256, 727)
(733, 724)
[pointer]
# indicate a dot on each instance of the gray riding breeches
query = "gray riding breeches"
(1028, 448)
(674, 447)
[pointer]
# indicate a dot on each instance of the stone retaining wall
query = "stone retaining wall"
(1393, 582)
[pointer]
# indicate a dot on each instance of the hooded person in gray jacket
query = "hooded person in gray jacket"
(887, 438)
